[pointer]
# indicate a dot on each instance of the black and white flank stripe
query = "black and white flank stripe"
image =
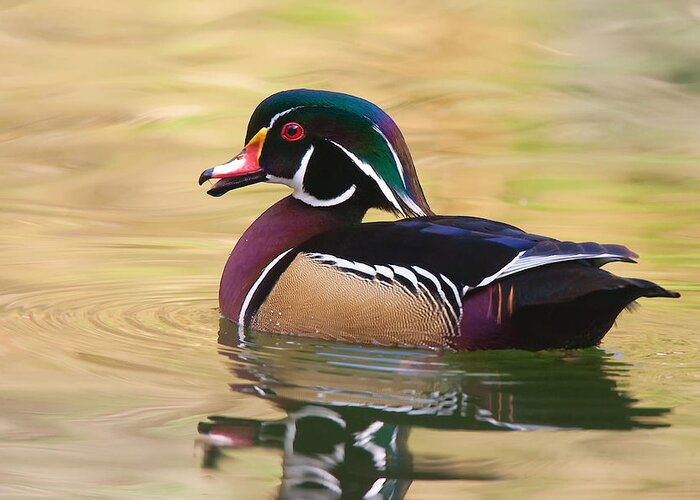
(412, 278)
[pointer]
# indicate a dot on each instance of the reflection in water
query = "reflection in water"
(350, 409)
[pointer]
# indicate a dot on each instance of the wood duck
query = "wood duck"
(308, 266)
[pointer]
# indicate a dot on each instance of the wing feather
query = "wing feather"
(468, 251)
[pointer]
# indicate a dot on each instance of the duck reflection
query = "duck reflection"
(350, 409)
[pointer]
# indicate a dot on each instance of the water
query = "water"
(576, 120)
(351, 410)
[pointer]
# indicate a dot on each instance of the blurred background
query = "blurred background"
(576, 119)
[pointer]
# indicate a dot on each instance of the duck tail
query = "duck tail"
(650, 289)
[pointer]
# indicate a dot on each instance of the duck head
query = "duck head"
(331, 149)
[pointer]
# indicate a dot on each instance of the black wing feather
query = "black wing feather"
(467, 250)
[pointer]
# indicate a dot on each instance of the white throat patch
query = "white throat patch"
(297, 184)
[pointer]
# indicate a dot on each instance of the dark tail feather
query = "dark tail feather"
(567, 305)
(581, 315)
(571, 281)
(650, 289)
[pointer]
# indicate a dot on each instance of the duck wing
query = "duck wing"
(470, 251)
(401, 282)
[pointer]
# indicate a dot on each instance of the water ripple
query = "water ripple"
(105, 322)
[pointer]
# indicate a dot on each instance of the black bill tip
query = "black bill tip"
(225, 185)
(206, 175)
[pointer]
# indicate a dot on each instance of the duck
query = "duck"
(309, 266)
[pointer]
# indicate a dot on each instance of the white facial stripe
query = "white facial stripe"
(297, 181)
(297, 184)
(399, 165)
(369, 171)
(317, 202)
(406, 199)
(302, 195)
(282, 113)
(279, 180)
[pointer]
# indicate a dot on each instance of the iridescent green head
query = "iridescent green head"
(330, 148)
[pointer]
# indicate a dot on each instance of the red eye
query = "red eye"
(292, 131)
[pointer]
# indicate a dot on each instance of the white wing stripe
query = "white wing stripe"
(405, 273)
(385, 271)
(500, 272)
(458, 298)
(520, 263)
(434, 280)
(536, 260)
(438, 286)
(343, 263)
(364, 268)
(391, 271)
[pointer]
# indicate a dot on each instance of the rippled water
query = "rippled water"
(350, 411)
(576, 119)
